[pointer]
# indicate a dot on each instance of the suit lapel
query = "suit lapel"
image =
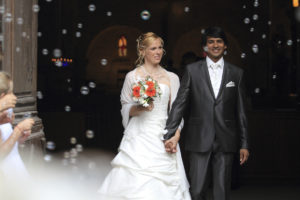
(224, 79)
(207, 78)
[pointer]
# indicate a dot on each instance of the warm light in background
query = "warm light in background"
(295, 3)
(122, 44)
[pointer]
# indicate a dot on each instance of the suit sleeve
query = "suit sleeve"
(241, 112)
(178, 106)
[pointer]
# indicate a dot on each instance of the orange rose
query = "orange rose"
(150, 91)
(150, 84)
(136, 91)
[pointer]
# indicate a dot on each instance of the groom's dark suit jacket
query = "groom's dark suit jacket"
(217, 124)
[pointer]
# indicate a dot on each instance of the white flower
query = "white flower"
(145, 104)
(135, 99)
(146, 86)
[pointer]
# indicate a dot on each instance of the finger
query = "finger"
(241, 158)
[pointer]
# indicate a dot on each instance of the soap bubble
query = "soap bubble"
(78, 34)
(8, 17)
(50, 145)
(36, 8)
(145, 15)
(186, 9)
(109, 13)
(67, 108)
(246, 20)
(89, 134)
(57, 53)
(103, 61)
(84, 90)
(45, 51)
(255, 17)
(73, 140)
(39, 95)
(255, 48)
(92, 84)
(92, 7)
(289, 42)
(47, 158)
(20, 21)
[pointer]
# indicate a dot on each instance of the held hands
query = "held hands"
(244, 155)
(171, 144)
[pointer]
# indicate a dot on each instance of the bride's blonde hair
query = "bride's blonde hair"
(143, 42)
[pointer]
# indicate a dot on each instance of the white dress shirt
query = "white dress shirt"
(215, 72)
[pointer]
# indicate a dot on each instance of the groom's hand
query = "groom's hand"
(244, 154)
(170, 146)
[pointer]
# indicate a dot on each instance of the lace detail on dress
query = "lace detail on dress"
(160, 76)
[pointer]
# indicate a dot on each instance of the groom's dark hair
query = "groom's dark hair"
(214, 31)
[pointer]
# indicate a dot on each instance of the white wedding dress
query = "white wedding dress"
(143, 170)
(12, 166)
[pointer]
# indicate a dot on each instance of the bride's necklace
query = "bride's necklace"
(156, 74)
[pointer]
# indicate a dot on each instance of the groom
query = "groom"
(217, 125)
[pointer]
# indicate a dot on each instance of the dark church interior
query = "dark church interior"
(84, 49)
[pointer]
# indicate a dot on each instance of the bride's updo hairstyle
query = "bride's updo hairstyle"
(143, 42)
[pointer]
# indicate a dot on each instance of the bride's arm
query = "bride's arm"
(138, 109)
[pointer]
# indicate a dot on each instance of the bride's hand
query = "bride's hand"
(171, 144)
(150, 107)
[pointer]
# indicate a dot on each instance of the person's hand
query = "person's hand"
(8, 101)
(171, 144)
(150, 107)
(5, 118)
(24, 136)
(25, 125)
(244, 155)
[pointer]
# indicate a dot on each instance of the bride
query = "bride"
(142, 169)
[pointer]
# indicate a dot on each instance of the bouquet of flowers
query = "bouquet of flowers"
(145, 91)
